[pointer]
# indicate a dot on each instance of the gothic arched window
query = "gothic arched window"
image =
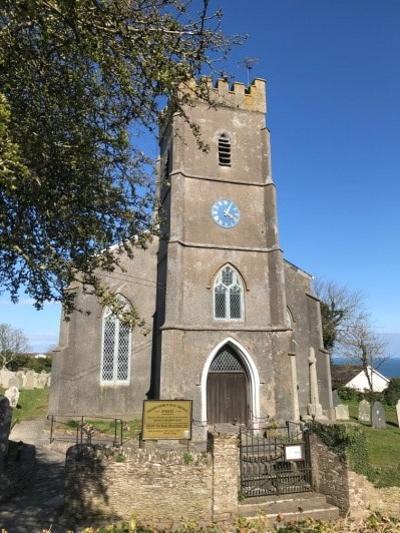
(224, 150)
(228, 295)
(116, 349)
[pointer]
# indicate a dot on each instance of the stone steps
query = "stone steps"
(290, 508)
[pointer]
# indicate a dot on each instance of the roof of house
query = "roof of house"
(342, 374)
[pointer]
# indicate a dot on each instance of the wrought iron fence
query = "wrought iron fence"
(267, 467)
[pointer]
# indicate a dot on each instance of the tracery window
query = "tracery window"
(224, 150)
(116, 349)
(228, 295)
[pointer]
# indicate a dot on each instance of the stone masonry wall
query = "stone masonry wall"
(348, 490)
(161, 488)
(226, 476)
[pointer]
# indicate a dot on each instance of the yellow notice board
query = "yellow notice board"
(167, 419)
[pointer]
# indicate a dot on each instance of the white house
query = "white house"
(353, 377)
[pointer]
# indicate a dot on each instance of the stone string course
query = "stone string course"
(161, 488)
(346, 489)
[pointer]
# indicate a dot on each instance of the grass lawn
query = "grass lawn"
(31, 404)
(383, 446)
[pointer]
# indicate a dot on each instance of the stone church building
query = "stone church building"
(234, 326)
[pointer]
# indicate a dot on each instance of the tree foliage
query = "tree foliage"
(347, 330)
(12, 343)
(79, 80)
(339, 308)
(392, 393)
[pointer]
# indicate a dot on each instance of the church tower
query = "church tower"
(222, 332)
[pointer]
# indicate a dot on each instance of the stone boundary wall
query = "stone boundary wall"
(24, 379)
(161, 488)
(348, 490)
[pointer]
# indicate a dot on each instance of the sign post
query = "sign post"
(167, 420)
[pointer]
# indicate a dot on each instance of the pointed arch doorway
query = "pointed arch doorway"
(228, 389)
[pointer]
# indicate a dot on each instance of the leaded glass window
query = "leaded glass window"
(116, 349)
(228, 295)
(226, 361)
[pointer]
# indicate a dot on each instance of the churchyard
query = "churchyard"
(383, 444)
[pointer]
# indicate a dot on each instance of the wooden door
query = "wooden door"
(227, 398)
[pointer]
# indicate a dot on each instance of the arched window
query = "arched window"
(116, 349)
(224, 150)
(228, 295)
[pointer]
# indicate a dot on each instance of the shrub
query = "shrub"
(30, 363)
(392, 393)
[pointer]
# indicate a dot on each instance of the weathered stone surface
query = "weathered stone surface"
(378, 416)
(12, 394)
(364, 412)
(335, 398)
(24, 379)
(350, 491)
(5, 425)
(398, 412)
(162, 488)
(31, 380)
(342, 412)
(21, 379)
(5, 376)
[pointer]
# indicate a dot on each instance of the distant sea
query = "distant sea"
(390, 369)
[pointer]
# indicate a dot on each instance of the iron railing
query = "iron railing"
(86, 430)
(264, 468)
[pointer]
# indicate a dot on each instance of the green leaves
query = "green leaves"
(76, 79)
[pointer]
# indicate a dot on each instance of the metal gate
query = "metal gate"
(275, 460)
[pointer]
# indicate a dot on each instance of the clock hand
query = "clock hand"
(227, 214)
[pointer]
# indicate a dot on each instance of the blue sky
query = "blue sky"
(333, 73)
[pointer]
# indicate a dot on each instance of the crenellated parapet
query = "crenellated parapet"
(240, 96)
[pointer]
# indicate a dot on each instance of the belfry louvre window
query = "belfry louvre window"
(224, 150)
(228, 295)
(116, 349)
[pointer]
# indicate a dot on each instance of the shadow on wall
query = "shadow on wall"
(86, 492)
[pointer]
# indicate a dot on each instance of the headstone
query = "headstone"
(12, 394)
(30, 382)
(5, 376)
(378, 416)
(342, 412)
(398, 412)
(20, 375)
(42, 380)
(13, 381)
(335, 398)
(364, 412)
(5, 426)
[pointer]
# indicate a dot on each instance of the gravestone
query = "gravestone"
(13, 381)
(5, 376)
(12, 394)
(30, 382)
(42, 380)
(335, 398)
(398, 412)
(364, 412)
(378, 416)
(342, 412)
(5, 426)
(20, 376)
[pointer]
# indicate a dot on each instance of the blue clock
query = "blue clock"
(225, 213)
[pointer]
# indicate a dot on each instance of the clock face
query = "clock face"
(225, 213)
